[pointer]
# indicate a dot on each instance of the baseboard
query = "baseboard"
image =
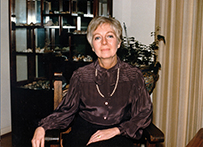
(6, 135)
(5, 130)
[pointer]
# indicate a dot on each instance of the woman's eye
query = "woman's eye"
(97, 38)
(110, 36)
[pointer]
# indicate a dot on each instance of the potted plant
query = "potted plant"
(142, 56)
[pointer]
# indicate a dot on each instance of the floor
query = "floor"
(6, 140)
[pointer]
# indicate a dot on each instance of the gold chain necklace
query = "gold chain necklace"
(118, 72)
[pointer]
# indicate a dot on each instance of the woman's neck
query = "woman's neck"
(108, 63)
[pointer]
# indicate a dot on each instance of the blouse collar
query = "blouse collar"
(101, 69)
(102, 73)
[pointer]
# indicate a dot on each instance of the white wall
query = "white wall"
(5, 69)
(139, 17)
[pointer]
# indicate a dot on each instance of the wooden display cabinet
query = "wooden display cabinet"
(44, 37)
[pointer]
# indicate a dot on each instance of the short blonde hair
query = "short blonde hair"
(99, 20)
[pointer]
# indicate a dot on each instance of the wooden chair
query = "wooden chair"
(197, 140)
(151, 136)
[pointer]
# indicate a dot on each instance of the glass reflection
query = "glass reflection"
(20, 10)
(21, 65)
(21, 39)
(103, 8)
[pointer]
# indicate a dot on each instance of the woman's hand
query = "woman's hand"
(38, 138)
(104, 135)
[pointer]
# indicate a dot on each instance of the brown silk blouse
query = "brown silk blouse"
(129, 108)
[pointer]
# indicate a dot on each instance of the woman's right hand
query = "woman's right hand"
(38, 138)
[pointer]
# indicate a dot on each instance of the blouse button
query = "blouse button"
(105, 117)
(106, 103)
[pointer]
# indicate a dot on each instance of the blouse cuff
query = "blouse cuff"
(122, 130)
(46, 127)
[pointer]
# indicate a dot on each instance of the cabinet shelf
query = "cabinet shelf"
(28, 26)
(58, 27)
(70, 15)
(44, 53)
(23, 53)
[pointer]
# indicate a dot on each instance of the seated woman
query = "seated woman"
(108, 96)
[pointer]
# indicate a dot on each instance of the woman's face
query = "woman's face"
(105, 43)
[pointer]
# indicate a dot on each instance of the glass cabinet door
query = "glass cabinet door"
(28, 39)
(43, 29)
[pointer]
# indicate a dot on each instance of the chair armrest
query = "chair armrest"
(153, 134)
(52, 135)
(197, 140)
(55, 136)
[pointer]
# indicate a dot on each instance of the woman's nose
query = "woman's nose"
(104, 41)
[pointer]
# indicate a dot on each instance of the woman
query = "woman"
(108, 96)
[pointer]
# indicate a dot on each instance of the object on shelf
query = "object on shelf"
(47, 50)
(57, 48)
(29, 50)
(79, 32)
(49, 23)
(38, 50)
(89, 15)
(36, 85)
(80, 57)
(26, 25)
(64, 49)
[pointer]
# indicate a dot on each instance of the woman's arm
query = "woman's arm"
(141, 110)
(65, 112)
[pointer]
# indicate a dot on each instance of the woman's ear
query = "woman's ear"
(119, 44)
(92, 49)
